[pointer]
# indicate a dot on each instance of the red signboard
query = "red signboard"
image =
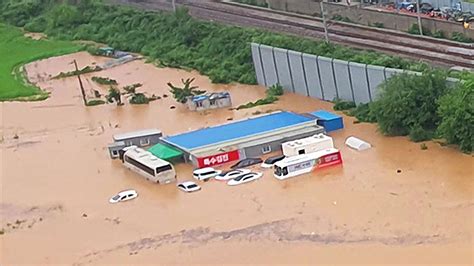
(330, 159)
(218, 159)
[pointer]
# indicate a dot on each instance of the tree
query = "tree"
(456, 110)
(408, 103)
(181, 94)
(114, 96)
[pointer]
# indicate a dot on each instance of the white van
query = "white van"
(204, 174)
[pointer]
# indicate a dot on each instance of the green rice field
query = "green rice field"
(17, 50)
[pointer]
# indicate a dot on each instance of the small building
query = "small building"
(242, 139)
(328, 120)
(140, 138)
(307, 145)
(207, 101)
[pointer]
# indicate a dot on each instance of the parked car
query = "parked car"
(124, 196)
(246, 162)
(268, 163)
(231, 174)
(204, 174)
(189, 186)
(245, 178)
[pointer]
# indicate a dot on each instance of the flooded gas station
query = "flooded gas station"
(392, 204)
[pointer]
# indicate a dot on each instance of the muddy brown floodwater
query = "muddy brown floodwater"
(56, 180)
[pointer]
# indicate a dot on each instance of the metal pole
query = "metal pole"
(419, 17)
(173, 2)
(80, 83)
(326, 35)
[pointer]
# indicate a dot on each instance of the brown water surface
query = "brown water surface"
(57, 177)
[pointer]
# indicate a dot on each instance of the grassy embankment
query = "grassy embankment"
(17, 50)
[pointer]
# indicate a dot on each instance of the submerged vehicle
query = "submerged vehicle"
(305, 163)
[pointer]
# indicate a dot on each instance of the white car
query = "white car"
(204, 174)
(231, 174)
(124, 196)
(189, 186)
(244, 178)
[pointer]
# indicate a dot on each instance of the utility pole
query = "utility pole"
(420, 28)
(80, 83)
(173, 2)
(326, 35)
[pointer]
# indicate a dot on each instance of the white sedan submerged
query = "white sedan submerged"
(124, 196)
(241, 179)
(189, 186)
(231, 174)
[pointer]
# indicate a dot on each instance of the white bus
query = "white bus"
(305, 163)
(148, 165)
(307, 145)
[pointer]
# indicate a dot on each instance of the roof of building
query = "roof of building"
(236, 130)
(136, 134)
(212, 95)
(165, 152)
(325, 115)
(145, 157)
(317, 138)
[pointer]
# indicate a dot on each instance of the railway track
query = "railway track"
(436, 51)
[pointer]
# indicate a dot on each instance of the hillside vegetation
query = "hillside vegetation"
(177, 40)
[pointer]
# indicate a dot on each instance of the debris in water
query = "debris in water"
(357, 144)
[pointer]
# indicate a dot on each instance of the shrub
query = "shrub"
(272, 96)
(417, 134)
(456, 110)
(95, 102)
(139, 98)
(378, 25)
(252, 2)
(275, 90)
(423, 146)
(130, 89)
(439, 34)
(363, 113)
(408, 101)
(459, 37)
(340, 105)
(85, 70)
(104, 81)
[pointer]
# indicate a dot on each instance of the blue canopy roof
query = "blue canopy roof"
(236, 130)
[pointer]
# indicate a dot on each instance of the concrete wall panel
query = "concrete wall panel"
(343, 80)
(362, 93)
(327, 78)
(376, 76)
(268, 65)
(284, 75)
(312, 76)
(297, 72)
(258, 64)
